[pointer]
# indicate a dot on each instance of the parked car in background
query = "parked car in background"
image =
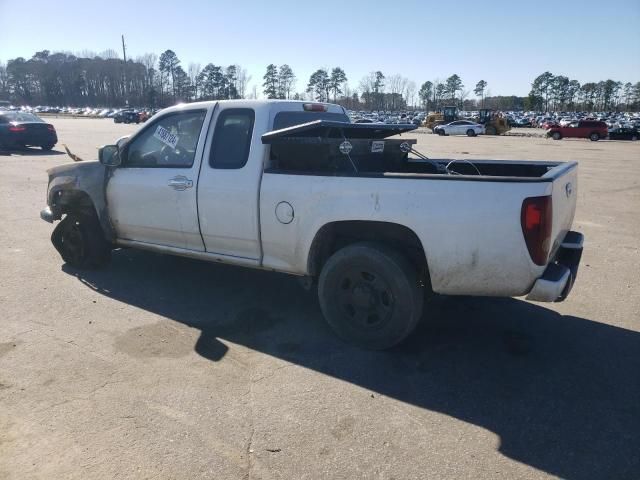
(126, 116)
(19, 129)
(624, 133)
(460, 127)
(594, 130)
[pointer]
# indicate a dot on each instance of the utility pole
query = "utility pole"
(124, 71)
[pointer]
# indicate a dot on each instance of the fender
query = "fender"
(80, 185)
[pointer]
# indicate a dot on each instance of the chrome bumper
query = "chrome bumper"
(560, 275)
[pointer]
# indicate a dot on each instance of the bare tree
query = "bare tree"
(243, 81)
(410, 93)
(108, 54)
(4, 81)
(193, 71)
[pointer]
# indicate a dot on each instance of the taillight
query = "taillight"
(536, 219)
(51, 128)
(314, 107)
(17, 128)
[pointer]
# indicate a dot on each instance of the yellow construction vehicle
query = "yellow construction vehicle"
(494, 123)
(445, 115)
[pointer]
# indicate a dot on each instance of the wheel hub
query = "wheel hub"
(363, 296)
(366, 299)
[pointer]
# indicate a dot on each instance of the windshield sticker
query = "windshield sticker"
(166, 137)
(377, 147)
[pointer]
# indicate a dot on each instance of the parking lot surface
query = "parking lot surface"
(165, 367)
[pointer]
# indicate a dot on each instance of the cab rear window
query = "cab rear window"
(289, 119)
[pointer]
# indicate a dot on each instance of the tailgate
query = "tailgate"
(564, 196)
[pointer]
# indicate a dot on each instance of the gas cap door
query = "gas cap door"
(284, 212)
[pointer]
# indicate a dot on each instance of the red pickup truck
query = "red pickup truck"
(591, 129)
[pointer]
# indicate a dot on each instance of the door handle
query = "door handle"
(180, 183)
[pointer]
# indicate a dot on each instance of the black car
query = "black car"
(624, 133)
(20, 129)
(126, 116)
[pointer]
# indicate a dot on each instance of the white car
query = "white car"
(460, 127)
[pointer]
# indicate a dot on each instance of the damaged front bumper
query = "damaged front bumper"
(560, 275)
(47, 215)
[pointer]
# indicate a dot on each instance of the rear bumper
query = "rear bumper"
(557, 280)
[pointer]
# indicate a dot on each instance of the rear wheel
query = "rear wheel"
(634, 138)
(471, 133)
(47, 147)
(370, 295)
(594, 137)
(556, 135)
(441, 133)
(80, 241)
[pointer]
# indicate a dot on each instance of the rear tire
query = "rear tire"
(556, 136)
(471, 133)
(441, 133)
(594, 137)
(634, 138)
(80, 241)
(370, 295)
(47, 148)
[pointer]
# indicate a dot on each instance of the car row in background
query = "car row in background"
(22, 129)
(612, 120)
(143, 113)
(387, 117)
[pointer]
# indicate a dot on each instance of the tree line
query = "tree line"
(88, 79)
(551, 92)
(106, 80)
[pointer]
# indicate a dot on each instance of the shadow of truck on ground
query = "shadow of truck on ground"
(562, 393)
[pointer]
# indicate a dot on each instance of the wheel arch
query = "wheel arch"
(333, 236)
(64, 200)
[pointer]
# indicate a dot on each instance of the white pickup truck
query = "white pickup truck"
(293, 187)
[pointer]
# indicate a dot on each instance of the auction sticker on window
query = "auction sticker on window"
(377, 147)
(166, 137)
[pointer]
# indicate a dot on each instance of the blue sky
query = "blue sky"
(505, 43)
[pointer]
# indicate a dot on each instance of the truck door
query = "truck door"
(152, 196)
(229, 185)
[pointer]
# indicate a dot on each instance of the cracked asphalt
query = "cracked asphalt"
(168, 368)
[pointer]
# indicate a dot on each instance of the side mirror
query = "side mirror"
(109, 155)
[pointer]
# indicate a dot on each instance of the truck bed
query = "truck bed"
(445, 169)
(340, 149)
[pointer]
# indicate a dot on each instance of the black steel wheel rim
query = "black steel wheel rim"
(365, 298)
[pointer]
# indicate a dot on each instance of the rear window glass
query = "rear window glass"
(289, 119)
(21, 117)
